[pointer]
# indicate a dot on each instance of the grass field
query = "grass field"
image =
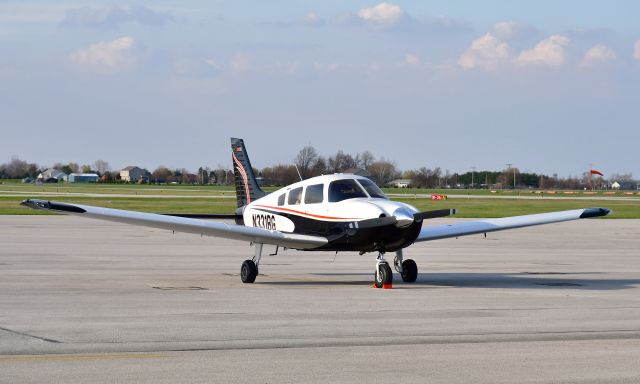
(221, 199)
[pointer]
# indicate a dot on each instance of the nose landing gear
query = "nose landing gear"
(383, 274)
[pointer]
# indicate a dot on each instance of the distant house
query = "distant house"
(624, 185)
(134, 174)
(52, 173)
(400, 183)
(83, 178)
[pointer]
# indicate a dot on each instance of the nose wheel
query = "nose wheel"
(383, 275)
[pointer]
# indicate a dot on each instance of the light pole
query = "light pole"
(473, 170)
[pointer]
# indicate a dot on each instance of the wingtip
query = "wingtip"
(595, 212)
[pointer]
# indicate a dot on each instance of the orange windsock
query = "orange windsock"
(594, 172)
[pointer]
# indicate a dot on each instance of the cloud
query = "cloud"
(112, 56)
(240, 62)
(383, 14)
(487, 52)
(636, 50)
(509, 30)
(111, 16)
(391, 17)
(412, 60)
(547, 53)
(599, 53)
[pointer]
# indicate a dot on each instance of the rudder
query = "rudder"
(247, 188)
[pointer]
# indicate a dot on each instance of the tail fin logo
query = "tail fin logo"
(243, 173)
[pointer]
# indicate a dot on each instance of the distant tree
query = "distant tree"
(280, 175)
(203, 175)
(161, 174)
(506, 177)
(383, 171)
(221, 175)
(101, 167)
(16, 168)
(319, 167)
(366, 159)
(305, 160)
(340, 162)
(87, 169)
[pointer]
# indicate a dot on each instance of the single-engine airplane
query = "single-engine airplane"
(339, 212)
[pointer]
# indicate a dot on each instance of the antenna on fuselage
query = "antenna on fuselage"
(297, 170)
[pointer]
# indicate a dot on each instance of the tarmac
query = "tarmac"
(89, 301)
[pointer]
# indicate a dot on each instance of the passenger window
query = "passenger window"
(295, 196)
(313, 194)
(344, 189)
(281, 199)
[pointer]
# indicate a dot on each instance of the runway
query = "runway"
(89, 301)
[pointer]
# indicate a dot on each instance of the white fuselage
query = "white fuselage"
(323, 199)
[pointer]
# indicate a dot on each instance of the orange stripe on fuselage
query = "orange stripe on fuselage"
(307, 214)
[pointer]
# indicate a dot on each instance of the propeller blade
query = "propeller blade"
(372, 223)
(433, 214)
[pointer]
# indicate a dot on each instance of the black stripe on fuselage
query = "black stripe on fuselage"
(386, 238)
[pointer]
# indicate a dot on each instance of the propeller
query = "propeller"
(402, 217)
(406, 217)
(434, 214)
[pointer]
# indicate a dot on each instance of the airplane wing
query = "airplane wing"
(183, 224)
(492, 225)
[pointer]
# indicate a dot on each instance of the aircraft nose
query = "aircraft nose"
(403, 216)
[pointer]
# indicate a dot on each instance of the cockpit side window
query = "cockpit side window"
(371, 188)
(295, 196)
(281, 199)
(344, 189)
(314, 194)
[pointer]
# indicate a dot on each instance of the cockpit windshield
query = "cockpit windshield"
(371, 188)
(344, 189)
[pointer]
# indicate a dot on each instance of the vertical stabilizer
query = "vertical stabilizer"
(247, 188)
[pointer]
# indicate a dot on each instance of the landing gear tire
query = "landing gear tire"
(384, 276)
(248, 272)
(409, 271)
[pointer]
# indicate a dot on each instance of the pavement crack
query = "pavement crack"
(30, 336)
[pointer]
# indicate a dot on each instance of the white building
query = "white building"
(400, 183)
(133, 174)
(52, 173)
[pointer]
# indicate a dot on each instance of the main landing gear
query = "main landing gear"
(406, 268)
(249, 269)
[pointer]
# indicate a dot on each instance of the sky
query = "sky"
(548, 86)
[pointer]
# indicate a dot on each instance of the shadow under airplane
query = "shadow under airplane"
(519, 280)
